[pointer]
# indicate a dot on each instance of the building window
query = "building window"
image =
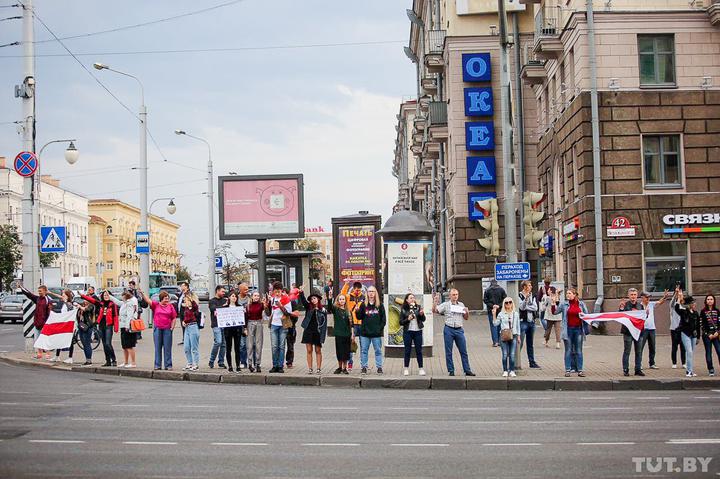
(109, 230)
(665, 265)
(661, 155)
(109, 283)
(109, 247)
(657, 60)
(109, 265)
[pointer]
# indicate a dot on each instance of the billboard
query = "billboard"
(356, 254)
(261, 207)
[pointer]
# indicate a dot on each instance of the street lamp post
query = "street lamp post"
(144, 257)
(211, 220)
(171, 208)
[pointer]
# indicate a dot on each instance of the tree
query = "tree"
(316, 264)
(46, 259)
(10, 254)
(183, 274)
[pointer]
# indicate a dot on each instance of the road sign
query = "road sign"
(28, 316)
(53, 239)
(25, 164)
(142, 242)
(218, 262)
(512, 271)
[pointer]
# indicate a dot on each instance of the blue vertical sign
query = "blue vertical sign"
(474, 196)
(481, 170)
(476, 67)
(142, 242)
(478, 101)
(479, 136)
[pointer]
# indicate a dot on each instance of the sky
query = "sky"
(325, 111)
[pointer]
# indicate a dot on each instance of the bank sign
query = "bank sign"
(692, 223)
(480, 132)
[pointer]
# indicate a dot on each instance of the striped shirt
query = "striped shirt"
(452, 319)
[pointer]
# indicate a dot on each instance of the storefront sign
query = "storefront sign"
(481, 170)
(356, 254)
(570, 230)
(620, 227)
(479, 136)
(473, 213)
(476, 67)
(677, 223)
(478, 101)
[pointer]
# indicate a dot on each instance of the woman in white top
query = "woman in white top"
(509, 321)
(128, 338)
(553, 319)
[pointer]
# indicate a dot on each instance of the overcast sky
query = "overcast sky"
(327, 112)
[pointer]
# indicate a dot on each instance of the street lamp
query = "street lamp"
(144, 257)
(170, 208)
(211, 225)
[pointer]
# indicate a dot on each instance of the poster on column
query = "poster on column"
(356, 254)
(408, 269)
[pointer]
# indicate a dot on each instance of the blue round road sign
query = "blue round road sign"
(26, 163)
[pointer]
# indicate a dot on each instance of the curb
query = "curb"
(374, 382)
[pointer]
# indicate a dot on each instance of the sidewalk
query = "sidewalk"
(602, 364)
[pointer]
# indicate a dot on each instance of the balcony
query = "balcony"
(547, 33)
(434, 61)
(429, 85)
(431, 150)
(533, 72)
(437, 121)
(713, 12)
(420, 123)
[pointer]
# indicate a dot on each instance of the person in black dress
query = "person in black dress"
(314, 328)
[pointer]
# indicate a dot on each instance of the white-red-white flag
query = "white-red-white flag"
(57, 332)
(633, 320)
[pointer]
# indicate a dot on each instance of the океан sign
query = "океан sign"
(693, 223)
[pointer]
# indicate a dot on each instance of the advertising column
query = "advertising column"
(356, 254)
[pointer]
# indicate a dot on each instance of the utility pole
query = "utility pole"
(31, 258)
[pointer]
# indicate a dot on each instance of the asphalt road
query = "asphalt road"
(61, 424)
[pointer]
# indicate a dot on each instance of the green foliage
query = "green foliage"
(183, 274)
(47, 259)
(10, 254)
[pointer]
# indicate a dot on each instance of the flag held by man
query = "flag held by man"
(633, 320)
(57, 332)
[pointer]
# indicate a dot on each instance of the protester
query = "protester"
(528, 312)
(573, 330)
(631, 304)
(553, 320)
(343, 331)
(493, 296)
(107, 321)
(66, 304)
(314, 329)
(219, 341)
(191, 340)
(43, 306)
(508, 320)
(180, 308)
(164, 318)
(371, 315)
(689, 330)
(129, 311)
(279, 309)
(243, 301)
(291, 336)
(648, 334)
(86, 327)
(142, 304)
(354, 298)
(253, 323)
(328, 290)
(412, 319)
(233, 336)
(543, 292)
(710, 325)
(675, 337)
(455, 314)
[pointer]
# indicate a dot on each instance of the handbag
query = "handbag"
(353, 346)
(136, 325)
(506, 334)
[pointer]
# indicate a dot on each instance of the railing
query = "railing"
(437, 113)
(435, 42)
(546, 22)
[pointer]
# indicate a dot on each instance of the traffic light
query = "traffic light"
(491, 241)
(532, 217)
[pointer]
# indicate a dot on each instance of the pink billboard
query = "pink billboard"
(253, 207)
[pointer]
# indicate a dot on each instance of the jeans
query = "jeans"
(494, 330)
(709, 344)
(628, 343)
(106, 334)
(573, 349)
(648, 337)
(192, 344)
(163, 347)
(365, 350)
(408, 338)
(278, 334)
(676, 343)
(356, 329)
(218, 349)
(86, 340)
(290, 343)
(254, 343)
(457, 336)
(527, 337)
(543, 321)
(508, 353)
(689, 344)
(233, 339)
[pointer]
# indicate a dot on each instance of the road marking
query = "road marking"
(150, 443)
(405, 422)
(487, 422)
(605, 443)
(610, 408)
(639, 421)
(239, 444)
(595, 398)
(477, 409)
(329, 422)
(91, 419)
(265, 407)
(547, 422)
(9, 403)
(338, 409)
(693, 441)
(653, 397)
(419, 445)
(331, 444)
(133, 405)
(56, 441)
(513, 444)
(672, 407)
(409, 408)
(199, 406)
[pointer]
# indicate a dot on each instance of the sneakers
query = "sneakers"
(187, 367)
(338, 371)
(318, 371)
(581, 374)
(379, 371)
(451, 373)
(652, 366)
(505, 374)
(130, 366)
(567, 374)
(230, 369)
(273, 369)
(362, 371)
(68, 361)
(684, 366)
(712, 373)
(221, 366)
(535, 366)
(557, 345)
(251, 369)
(257, 369)
(639, 373)
(512, 374)
(674, 366)
(421, 372)
(689, 374)
(211, 365)
(310, 371)
(54, 359)
(87, 363)
(546, 344)
(121, 365)
(469, 373)
(349, 368)
(626, 373)
(406, 372)
(345, 371)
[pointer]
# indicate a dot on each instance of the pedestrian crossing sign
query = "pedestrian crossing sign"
(53, 239)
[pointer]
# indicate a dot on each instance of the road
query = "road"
(62, 424)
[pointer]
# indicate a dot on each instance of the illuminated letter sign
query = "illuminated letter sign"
(476, 67)
(479, 136)
(478, 101)
(481, 170)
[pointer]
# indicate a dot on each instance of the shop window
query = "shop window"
(665, 265)
(661, 157)
(657, 60)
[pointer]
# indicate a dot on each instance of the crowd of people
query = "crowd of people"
(359, 320)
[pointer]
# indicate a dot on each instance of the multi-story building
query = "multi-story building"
(449, 140)
(113, 259)
(658, 145)
(57, 207)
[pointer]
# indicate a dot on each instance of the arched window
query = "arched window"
(109, 230)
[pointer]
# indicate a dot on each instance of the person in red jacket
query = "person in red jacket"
(43, 306)
(108, 322)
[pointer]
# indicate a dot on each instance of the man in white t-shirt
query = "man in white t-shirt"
(648, 334)
(278, 305)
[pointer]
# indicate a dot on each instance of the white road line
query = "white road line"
(605, 443)
(150, 443)
(610, 408)
(331, 444)
(653, 397)
(672, 407)
(513, 444)
(91, 419)
(265, 407)
(544, 422)
(238, 444)
(705, 397)
(405, 422)
(487, 422)
(419, 445)
(595, 398)
(56, 441)
(134, 405)
(693, 441)
(328, 422)
(338, 409)
(9, 403)
(477, 409)
(409, 408)
(632, 421)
